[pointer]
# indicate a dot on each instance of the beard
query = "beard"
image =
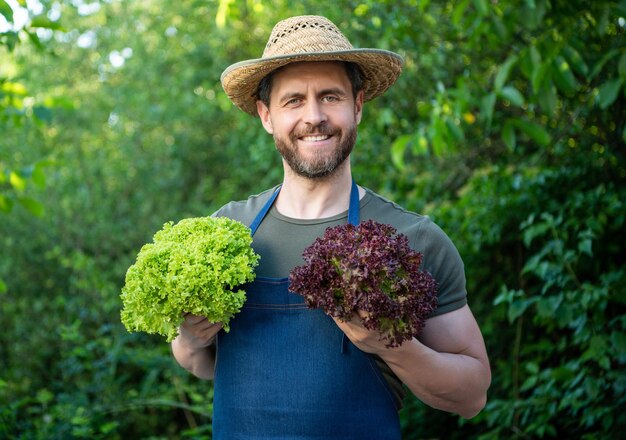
(322, 164)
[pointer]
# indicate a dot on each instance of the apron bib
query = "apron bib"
(288, 372)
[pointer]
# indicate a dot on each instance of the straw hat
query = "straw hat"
(308, 38)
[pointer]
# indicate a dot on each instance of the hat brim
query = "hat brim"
(380, 69)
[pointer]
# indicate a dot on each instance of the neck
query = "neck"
(305, 198)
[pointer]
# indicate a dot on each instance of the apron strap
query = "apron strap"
(353, 209)
(263, 212)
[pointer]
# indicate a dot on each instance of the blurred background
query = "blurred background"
(507, 127)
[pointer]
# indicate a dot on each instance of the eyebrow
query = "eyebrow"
(330, 91)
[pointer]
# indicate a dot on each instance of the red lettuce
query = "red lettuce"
(369, 268)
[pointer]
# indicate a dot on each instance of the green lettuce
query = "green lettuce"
(193, 266)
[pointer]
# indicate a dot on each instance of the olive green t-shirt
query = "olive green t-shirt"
(280, 241)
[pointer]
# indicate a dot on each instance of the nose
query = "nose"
(314, 113)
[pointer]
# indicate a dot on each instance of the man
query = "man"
(284, 371)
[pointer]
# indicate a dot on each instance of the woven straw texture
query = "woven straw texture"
(308, 38)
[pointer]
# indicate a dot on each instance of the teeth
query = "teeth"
(315, 138)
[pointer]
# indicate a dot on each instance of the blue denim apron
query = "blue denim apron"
(288, 372)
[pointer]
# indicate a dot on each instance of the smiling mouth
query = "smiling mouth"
(317, 138)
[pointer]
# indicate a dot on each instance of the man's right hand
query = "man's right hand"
(197, 331)
(193, 348)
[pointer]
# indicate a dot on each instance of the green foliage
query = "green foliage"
(193, 267)
(507, 127)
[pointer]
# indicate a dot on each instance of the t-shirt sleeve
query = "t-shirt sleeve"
(443, 261)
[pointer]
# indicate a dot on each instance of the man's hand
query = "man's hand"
(193, 348)
(366, 340)
(197, 332)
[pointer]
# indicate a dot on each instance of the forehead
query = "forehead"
(322, 72)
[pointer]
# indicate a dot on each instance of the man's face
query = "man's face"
(313, 117)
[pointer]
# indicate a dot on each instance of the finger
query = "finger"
(363, 314)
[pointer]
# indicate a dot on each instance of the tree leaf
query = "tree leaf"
(534, 131)
(397, 150)
(538, 76)
(600, 64)
(459, 12)
(42, 113)
(547, 98)
(438, 133)
(508, 136)
(563, 76)
(481, 7)
(455, 130)
(618, 341)
(513, 95)
(608, 92)
(487, 105)
(6, 11)
(32, 206)
(6, 204)
(576, 60)
(38, 176)
(17, 181)
(503, 72)
(517, 309)
(621, 67)
(44, 22)
(421, 144)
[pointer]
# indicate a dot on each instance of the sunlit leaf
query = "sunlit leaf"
(222, 13)
(14, 88)
(16, 181)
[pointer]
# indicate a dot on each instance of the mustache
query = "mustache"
(323, 129)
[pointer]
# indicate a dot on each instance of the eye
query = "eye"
(330, 98)
(293, 101)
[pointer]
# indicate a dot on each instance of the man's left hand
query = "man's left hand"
(366, 340)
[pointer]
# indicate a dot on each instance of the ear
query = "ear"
(358, 106)
(264, 113)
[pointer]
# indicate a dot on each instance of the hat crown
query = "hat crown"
(305, 34)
